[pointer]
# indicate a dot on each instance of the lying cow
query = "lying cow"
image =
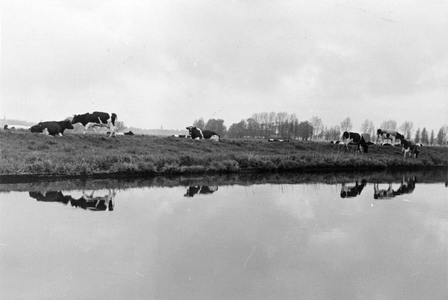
(277, 140)
(356, 139)
(52, 127)
(182, 136)
(198, 134)
(387, 134)
(8, 127)
(410, 147)
(96, 119)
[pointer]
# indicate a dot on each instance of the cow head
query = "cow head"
(195, 132)
(67, 124)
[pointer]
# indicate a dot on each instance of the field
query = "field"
(23, 153)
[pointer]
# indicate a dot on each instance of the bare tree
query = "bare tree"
(346, 125)
(406, 127)
(389, 124)
(318, 127)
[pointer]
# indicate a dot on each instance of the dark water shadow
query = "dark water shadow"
(353, 182)
(92, 200)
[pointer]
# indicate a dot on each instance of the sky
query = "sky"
(167, 63)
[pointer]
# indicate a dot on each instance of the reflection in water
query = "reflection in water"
(87, 201)
(353, 191)
(258, 239)
(407, 186)
(200, 189)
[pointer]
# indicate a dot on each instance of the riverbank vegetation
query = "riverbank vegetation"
(24, 153)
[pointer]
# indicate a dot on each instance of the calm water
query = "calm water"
(381, 237)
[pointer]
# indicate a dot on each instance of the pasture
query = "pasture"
(25, 153)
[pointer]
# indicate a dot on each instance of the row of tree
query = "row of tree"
(284, 125)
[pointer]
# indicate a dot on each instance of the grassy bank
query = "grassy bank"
(24, 153)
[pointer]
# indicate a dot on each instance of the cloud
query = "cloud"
(179, 61)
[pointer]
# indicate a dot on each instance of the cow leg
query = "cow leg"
(86, 127)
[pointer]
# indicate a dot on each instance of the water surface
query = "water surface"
(382, 236)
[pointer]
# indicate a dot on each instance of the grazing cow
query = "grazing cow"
(52, 127)
(197, 134)
(354, 138)
(387, 134)
(96, 119)
(198, 189)
(352, 191)
(410, 147)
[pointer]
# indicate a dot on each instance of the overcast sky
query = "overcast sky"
(167, 63)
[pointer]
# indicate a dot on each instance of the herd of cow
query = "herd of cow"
(102, 119)
(363, 141)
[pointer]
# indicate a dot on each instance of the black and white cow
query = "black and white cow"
(410, 147)
(387, 134)
(198, 134)
(182, 136)
(198, 189)
(52, 127)
(352, 191)
(96, 119)
(354, 138)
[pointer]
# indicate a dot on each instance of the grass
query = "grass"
(25, 153)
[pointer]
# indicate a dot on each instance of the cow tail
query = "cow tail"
(114, 117)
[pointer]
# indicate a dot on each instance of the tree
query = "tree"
(318, 127)
(305, 130)
(216, 125)
(120, 126)
(199, 123)
(406, 127)
(424, 138)
(441, 135)
(237, 130)
(417, 135)
(389, 124)
(431, 139)
(346, 125)
(368, 127)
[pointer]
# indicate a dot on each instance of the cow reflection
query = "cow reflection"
(95, 203)
(407, 186)
(87, 201)
(51, 196)
(200, 189)
(352, 191)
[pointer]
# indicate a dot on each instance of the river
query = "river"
(293, 236)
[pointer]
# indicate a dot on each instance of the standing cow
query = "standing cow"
(96, 119)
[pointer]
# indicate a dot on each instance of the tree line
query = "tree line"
(287, 126)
